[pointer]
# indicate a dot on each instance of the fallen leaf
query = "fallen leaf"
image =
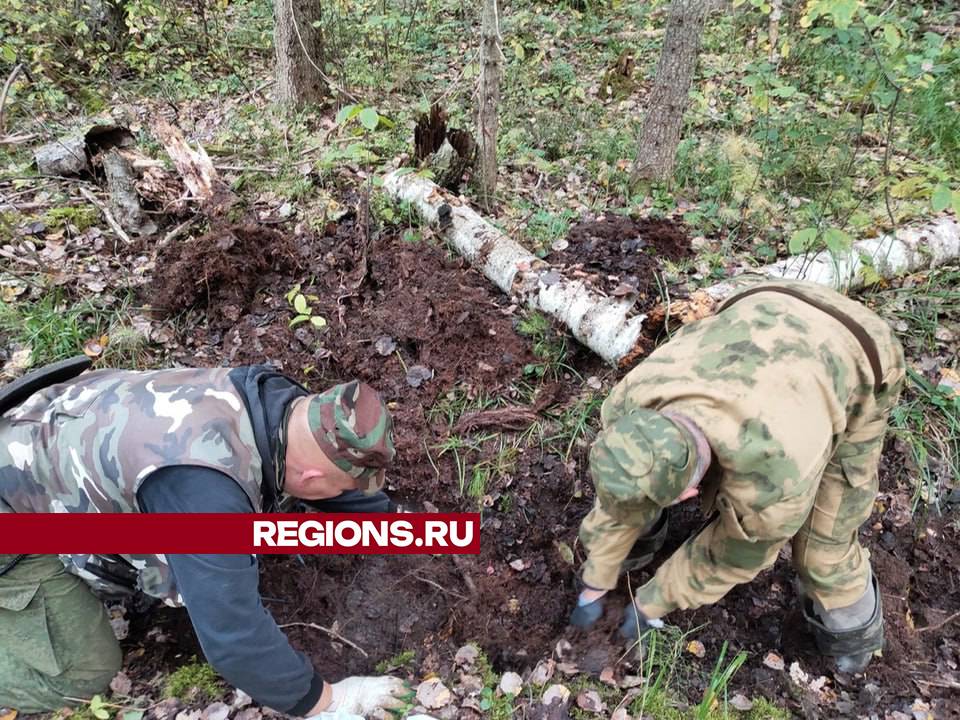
(607, 677)
(797, 674)
(385, 345)
(568, 668)
(120, 685)
(433, 694)
(511, 683)
(774, 661)
(467, 655)
(469, 684)
(741, 703)
(19, 362)
(555, 692)
(563, 646)
(631, 681)
(92, 349)
(518, 565)
(95, 286)
(565, 552)
(9, 715)
(551, 277)
(216, 711)
(417, 375)
(696, 648)
(622, 290)
(593, 382)
(620, 714)
(543, 672)
(241, 700)
(248, 714)
(950, 379)
(559, 245)
(590, 701)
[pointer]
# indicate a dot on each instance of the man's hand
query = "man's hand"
(360, 696)
(589, 608)
(635, 623)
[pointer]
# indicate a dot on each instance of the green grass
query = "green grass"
(403, 660)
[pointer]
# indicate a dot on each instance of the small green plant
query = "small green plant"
(548, 345)
(98, 709)
(368, 117)
(719, 680)
(194, 677)
(402, 660)
(304, 312)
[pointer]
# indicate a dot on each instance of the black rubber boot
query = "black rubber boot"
(644, 549)
(853, 647)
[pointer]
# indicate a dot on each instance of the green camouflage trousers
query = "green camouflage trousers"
(56, 638)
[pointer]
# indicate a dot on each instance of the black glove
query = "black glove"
(584, 616)
(635, 623)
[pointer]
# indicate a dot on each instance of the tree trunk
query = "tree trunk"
(608, 325)
(671, 89)
(488, 119)
(300, 52)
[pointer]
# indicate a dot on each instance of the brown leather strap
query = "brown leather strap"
(863, 337)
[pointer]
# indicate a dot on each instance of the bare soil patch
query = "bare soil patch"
(419, 324)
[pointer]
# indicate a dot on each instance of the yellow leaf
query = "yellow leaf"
(696, 648)
(9, 716)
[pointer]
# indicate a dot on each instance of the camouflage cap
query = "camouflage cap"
(354, 429)
(640, 464)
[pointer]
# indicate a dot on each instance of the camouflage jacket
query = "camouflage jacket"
(87, 445)
(775, 384)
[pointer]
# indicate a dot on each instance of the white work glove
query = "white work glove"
(356, 697)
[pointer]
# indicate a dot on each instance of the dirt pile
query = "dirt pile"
(623, 256)
(423, 327)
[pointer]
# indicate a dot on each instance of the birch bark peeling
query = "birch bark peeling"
(608, 326)
(908, 250)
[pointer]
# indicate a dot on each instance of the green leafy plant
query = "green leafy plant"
(366, 116)
(98, 708)
(304, 312)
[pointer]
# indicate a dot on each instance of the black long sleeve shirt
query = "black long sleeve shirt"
(238, 634)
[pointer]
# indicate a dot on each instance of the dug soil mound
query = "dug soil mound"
(623, 256)
(431, 333)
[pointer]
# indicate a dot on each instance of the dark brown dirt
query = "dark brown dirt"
(221, 270)
(623, 256)
(392, 306)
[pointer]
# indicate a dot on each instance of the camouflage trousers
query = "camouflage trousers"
(56, 638)
(832, 565)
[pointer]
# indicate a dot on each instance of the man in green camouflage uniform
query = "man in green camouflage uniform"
(192, 440)
(778, 403)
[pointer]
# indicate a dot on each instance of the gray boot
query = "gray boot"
(851, 634)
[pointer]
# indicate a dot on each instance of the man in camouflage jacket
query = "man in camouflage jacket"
(193, 440)
(778, 403)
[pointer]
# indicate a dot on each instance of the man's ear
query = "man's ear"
(687, 494)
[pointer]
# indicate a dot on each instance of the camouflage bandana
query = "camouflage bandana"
(640, 464)
(354, 429)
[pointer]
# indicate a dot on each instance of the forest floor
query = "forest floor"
(495, 407)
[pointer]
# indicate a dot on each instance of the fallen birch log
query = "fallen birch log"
(608, 326)
(910, 249)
